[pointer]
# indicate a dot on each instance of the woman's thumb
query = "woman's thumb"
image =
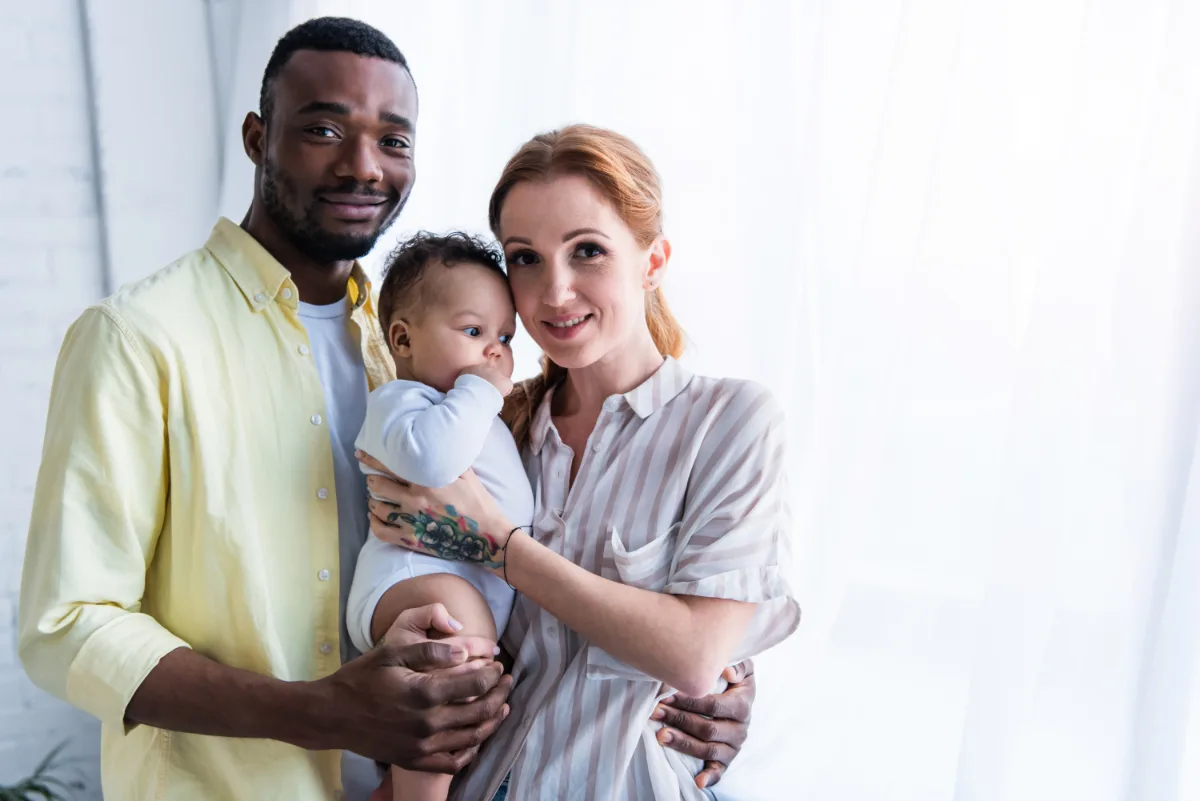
(438, 618)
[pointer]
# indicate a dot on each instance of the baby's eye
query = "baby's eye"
(506, 339)
(472, 331)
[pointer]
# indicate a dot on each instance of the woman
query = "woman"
(658, 550)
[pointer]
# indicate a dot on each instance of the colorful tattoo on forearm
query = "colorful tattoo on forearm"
(448, 535)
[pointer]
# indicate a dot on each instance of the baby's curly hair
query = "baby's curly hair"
(408, 262)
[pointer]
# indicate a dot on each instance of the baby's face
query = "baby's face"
(465, 318)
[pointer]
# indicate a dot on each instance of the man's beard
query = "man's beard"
(306, 232)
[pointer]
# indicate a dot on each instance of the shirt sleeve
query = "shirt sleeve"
(425, 439)
(98, 510)
(735, 538)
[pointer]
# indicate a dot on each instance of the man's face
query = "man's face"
(337, 159)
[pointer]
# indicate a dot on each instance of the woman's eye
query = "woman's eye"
(522, 257)
(588, 250)
(472, 331)
(506, 339)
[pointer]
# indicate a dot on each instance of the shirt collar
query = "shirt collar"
(645, 399)
(260, 276)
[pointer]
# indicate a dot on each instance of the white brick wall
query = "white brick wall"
(50, 269)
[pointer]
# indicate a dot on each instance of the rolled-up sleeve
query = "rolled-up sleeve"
(98, 510)
(735, 538)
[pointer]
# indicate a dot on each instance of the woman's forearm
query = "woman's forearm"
(684, 641)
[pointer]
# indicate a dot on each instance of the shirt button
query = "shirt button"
(259, 297)
(287, 294)
(596, 448)
(315, 419)
(303, 350)
(526, 723)
(323, 575)
(326, 648)
(322, 493)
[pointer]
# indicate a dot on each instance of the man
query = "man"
(198, 506)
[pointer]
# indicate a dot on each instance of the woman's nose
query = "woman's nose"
(559, 288)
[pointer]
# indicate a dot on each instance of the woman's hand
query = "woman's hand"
(460, 522)
(712, 728)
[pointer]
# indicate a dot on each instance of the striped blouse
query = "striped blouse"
(682, 491)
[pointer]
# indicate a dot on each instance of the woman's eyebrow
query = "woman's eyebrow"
(519, 239)
(572, 234)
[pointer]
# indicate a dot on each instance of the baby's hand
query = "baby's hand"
(492, 375)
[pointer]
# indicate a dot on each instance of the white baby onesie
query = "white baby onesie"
(431, 438)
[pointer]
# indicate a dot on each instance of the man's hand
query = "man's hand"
(405, 702)
(493, 375)
(712, 728)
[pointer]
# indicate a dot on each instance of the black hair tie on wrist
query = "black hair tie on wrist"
(504, 551)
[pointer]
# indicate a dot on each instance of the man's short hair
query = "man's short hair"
(411, 258)
(331, 35)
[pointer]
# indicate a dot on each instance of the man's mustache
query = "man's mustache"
(357, 190)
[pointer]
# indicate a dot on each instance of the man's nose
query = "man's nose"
(360, 161)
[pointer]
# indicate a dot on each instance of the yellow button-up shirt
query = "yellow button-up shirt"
(179, 504)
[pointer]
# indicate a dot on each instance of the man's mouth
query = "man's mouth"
(353, 207)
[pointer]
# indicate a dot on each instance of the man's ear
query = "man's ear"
(660, 254)
(398, 339)
(254, 137)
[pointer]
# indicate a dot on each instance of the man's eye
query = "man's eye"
(322, 131)
(395, 142)
(472, 331)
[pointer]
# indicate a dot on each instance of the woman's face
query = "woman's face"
(578, 275)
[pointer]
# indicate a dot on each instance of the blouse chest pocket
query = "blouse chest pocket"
(646, 567)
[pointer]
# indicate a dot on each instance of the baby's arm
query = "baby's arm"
(427, 441)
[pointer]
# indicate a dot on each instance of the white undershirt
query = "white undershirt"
(344, 384)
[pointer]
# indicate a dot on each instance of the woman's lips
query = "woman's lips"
(564, 328)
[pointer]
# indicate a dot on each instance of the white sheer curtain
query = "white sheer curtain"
(958, 239)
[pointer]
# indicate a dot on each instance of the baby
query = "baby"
(448, 317)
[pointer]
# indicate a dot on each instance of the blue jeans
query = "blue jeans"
(502, 793)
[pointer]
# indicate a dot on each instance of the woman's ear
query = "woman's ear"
(660, 254)
(398, 340)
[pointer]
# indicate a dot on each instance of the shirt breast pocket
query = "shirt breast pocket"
(647, 567)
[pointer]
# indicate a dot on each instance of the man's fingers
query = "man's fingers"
(436, 690)
(702, 728)
(423, 656)
(450, 763)
(722, 707)
(686, 744)
(712, 773)
(475, 712)
(738, 673)
(467, 737)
